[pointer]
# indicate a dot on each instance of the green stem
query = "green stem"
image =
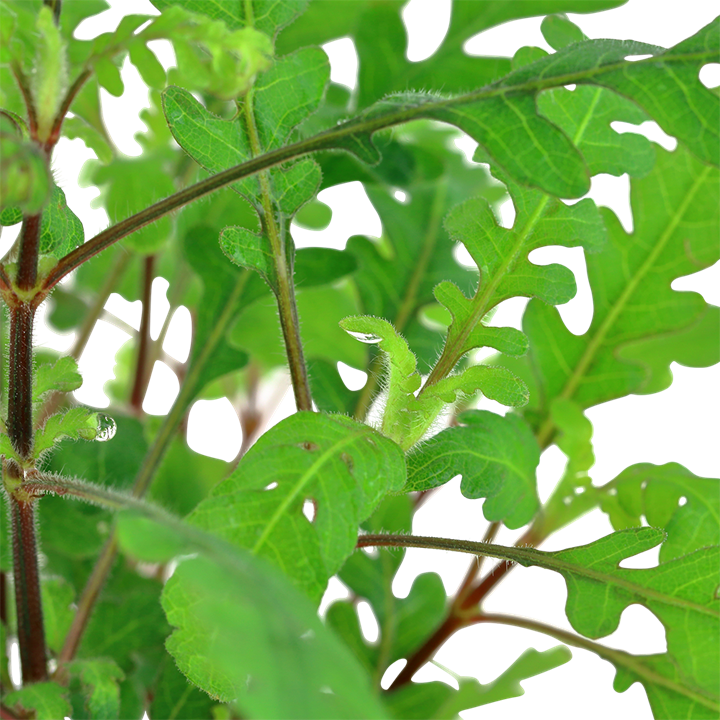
(287, 306)
(343, 137)
(617, 657)
(142, 367)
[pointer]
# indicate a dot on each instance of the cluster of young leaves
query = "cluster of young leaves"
(296, 500)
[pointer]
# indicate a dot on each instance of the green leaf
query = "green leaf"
(315, 215)
(175, 697)
(439, 701)
(62, 376)
(127, 622)
(25, 181)
(61, 230)
(407, 417)
(654, 492)
(77, 127)
(345, 468)
(502, 257)
(269, 16)
(57, 598)
(282, 98)
(559, 32)
(497, 458)
(47, 700)
(121, 195)
(100, 679)
(629, 279)
(231, 611)
(75, 424)
(50, 76)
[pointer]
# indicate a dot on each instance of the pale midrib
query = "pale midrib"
(300, 485)
(630, 288)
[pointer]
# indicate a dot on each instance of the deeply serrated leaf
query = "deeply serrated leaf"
(77, 423)
(62, 376)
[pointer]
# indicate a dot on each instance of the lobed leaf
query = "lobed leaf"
(497, 458)
(343, 467)
(439, 701)
(231, 611)
(629, 279)
(655, 492)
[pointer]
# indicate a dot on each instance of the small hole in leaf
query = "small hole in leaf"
(309, 510)
(508, 213)
(271, 486)
(710, 75)
(636, 58)
(570, 87)
(682, 501)
(400, 196)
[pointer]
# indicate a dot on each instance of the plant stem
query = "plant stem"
(467, 597)
(29, 250)
(30, 627)
(285, 291)
(144, 478)
(142, 368)
(20, 378)
(619, 658)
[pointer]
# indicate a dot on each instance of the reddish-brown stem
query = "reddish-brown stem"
(29, 249)
(449, 626)
(30, 627)
(19, 422)
(6, 714)
(141, 367)
(4, 279)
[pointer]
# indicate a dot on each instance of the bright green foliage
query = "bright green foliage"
(497, 458)
(61, 230)
(675, 212)
(47, 700)
(99, 679)
(235, 630)
(438, 701)
(225, 637)
(343, 467)
(407, 417)
(654, 492)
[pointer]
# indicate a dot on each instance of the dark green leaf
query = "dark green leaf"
(100, 681)
(47, 700)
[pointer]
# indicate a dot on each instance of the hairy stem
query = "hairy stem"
(29, 250)
(285, 294)
(142, 368)
(147, 472)
(20, 378)
(30, 627)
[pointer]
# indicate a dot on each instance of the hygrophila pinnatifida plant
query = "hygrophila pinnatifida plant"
(240, 137)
